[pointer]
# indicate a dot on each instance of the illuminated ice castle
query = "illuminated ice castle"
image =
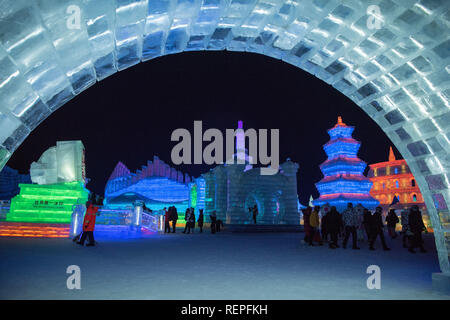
(232, 188)
(343, 180)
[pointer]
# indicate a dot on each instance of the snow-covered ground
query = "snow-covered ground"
(205, 266)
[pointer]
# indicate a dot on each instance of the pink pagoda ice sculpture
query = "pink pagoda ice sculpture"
(343, 180)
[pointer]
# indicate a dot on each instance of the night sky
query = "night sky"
(130, 116)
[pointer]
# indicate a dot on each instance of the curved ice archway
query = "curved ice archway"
(397, 71)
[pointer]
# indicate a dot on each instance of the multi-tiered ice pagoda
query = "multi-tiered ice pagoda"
(343, 180)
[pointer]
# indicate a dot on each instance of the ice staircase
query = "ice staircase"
(24, 229)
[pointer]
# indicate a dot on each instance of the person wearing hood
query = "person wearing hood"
(213, 218)
(334, 222)
(166, 220)
(416, 226)
(191, 221)
(255, 213)
(405, 228)
(306, 225)
(200, 220)
(89, 222)
(367, 223)
(359, 209)
(376, 226)
(186, 219)
(391, 221)
(351, 223)
(173, 217)
(325, 211)
(314, 222)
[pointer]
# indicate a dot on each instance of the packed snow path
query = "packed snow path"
(205, 266)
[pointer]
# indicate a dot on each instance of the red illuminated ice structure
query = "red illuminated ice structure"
(343, 180)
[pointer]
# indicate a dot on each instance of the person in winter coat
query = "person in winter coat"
(391, 221)
(166, 221)
(306, 224)
(333, 226)
(405, 228)
(191, 221)
(255, 213)
(314, 223)
(173, 217)
(376, 229)
(219, 225)
(213, 218)
(416, 226)
(325, 211)
(351, 223)
(89, 224)
(186, 218)
(200, 220)
(359, 209)
(367, 218)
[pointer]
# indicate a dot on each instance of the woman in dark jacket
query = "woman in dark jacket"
(324, 227)
(333, 226)
(186, 219)
(200, 220)
(213, 217)
(166, 220)
(392, 221)
(306, 225)
(367, 217)
(376, 229)
(416, 226)
(191, 221)
(173, 214)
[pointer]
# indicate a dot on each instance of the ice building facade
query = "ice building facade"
(231, 190)
(9, 182)
(393, 179)
(343, 181)
(389, 56)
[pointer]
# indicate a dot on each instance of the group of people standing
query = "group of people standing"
(189, 217)
(171, 215)
(360, 223)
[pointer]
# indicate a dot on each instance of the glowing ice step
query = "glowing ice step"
(14, 229)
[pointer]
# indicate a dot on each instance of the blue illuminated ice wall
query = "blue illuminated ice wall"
(156, 184)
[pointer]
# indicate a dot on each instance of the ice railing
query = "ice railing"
(106, 217)
(4, 209)
(152, 221)
(119, 216)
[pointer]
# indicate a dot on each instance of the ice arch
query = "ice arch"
(392, 60)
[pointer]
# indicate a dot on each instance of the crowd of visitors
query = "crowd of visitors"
(360, 224)
(171, 217)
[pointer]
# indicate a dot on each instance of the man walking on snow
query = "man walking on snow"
(89, 223)
(351, 222)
